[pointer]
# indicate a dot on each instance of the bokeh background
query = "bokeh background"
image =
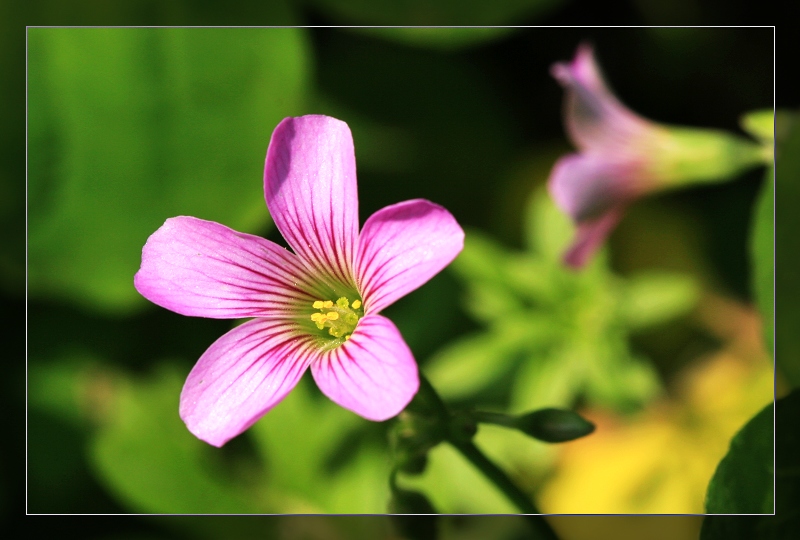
(658, 342)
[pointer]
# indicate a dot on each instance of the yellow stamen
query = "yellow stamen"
(341, 319)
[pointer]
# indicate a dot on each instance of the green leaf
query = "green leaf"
(762, 255)
(300, 437)
(548, 380)
(656, 297)
(787, 244)
(55, 387)
(536, 280)
(742, 483)
(760, 124)
(548, 230)
(489, 302)
(482, 259)
(474, 362)
(751, 487)
(361, 486)
(131, 126)
(152, 463)
(295, 439)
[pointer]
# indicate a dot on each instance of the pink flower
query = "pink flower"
(317, 307)
(624, 156)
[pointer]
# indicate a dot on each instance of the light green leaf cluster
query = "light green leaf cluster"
(552, 333)
(760, 124)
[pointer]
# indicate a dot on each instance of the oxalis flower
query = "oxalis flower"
(624, 156)
(317, 307)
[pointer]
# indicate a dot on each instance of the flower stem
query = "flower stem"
(498, 419)
(507, 486)
(495, 474)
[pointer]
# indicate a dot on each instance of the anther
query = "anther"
(340, 317)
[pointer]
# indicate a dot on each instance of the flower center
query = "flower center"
(340, 317)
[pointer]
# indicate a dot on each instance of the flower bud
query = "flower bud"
(554, 425)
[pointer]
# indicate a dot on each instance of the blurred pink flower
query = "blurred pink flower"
(317, 307)
(623, 156)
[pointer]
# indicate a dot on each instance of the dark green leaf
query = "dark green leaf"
(786, 521)
(742, 483)
(787, 243)
(762, 255)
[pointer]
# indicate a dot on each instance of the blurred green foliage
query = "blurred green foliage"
(128, 127)
(441, 13)
(563, 334)
(146, 123)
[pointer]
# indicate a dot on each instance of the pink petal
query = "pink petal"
(585, 186)
(241, 376)
(590, 236)
(372, 374)
(595, 119)
(401, 247)
(204, 269)
(310, 188)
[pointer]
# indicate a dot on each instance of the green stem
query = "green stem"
(498, 419)
(495, 474)
(499, 478)
(430, 399)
